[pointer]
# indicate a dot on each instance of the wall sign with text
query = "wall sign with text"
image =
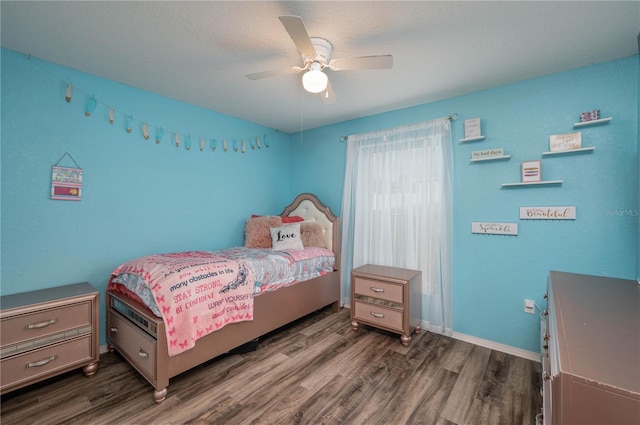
(547, 213)
(510, 229)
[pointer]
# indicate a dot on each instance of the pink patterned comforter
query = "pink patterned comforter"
(199, 292)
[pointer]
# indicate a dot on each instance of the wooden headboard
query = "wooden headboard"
(309, 207)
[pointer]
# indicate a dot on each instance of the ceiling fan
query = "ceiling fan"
(316, 56)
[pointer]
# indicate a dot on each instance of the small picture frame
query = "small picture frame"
(472, 128)
(531, 171)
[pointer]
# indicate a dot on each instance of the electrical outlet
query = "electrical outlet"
(529, 306)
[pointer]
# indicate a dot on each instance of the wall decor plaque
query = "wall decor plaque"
(565, 142)
(488, 153)
(547, 213)
(510, 229)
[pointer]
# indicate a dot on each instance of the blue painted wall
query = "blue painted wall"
(138, 197)
(494, 274)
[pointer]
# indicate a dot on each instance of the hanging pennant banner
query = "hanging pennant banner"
(66, 182)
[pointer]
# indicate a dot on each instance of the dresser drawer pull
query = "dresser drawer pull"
(374, 289)
(41, 362)
(114, 330)
(143, 353)
(377, 315)
(42, 324)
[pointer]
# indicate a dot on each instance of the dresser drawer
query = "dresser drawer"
(45, 362)
(41, 323)
(126, 337)
(379, 316)
(378, 289)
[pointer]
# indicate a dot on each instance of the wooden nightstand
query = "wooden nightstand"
(47, 332)
(388, 298)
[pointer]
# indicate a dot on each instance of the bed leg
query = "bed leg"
(335, 307)
(160, 395)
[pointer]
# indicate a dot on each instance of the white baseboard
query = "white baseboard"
(503, 348)
(519, 352)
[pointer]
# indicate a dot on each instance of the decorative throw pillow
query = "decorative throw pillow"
(256, 232)
(312, 235)
(286, 237)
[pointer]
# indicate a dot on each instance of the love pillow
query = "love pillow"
(286, 237)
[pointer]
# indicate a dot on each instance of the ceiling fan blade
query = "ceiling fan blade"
(272, 73)
(362, 62)
(298, 33)
(328, 96)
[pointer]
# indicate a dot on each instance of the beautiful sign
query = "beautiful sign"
(565, 142)
(487, 153)
(547, 213)
(495, 228)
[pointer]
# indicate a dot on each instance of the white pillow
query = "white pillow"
(286, 237)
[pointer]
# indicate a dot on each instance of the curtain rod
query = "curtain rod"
(452, 117)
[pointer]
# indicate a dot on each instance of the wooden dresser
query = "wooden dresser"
(388, 298)
(591, 365)
(47, 332)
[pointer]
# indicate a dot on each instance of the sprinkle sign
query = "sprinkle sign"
(547, 213)
(510, 229)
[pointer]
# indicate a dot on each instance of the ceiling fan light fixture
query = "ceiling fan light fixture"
(314, 80)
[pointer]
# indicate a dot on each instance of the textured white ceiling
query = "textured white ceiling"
(198, 52)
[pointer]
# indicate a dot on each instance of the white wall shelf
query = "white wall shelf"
(588, 149)
(472, 139)
(493, 158)
(542, 183)
(592, 122)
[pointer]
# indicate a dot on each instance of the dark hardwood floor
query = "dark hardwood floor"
(315, 371)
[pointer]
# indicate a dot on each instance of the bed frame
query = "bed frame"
(139, 336)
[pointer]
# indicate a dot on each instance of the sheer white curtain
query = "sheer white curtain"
(397, 209)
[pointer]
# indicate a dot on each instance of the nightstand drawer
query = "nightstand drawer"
(45, 362)
(44, 323)
(378, 289)
(378, 315)
(126, 336)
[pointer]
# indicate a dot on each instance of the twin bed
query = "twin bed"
(169, 313)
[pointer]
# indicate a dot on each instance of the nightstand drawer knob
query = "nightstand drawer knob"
(42, 362)
(114, 330)
(42, 324)
(143, 353)
(377, 315)
(374, 289)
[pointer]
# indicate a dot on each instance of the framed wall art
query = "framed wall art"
(531, 171)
